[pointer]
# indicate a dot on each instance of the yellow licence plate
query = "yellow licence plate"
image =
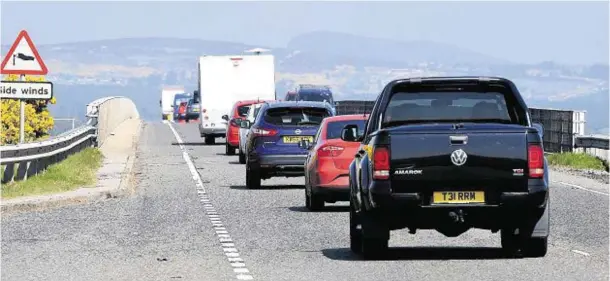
(458, 197)
(296, 139)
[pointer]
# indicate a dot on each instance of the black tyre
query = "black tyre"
(510, 242)
(242, 157)
(316, 203)
(536, 247)
(229, 150)
(210, 140)
(355, 234)
(253, 177)
(375, 236)
(523, 246)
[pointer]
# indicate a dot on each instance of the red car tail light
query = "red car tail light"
(330, 151)
(535, 161)
(381, 163)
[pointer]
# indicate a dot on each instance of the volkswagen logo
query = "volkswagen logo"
(458, 157)
(297, 131)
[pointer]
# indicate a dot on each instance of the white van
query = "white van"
(225, 80)
(167, 100)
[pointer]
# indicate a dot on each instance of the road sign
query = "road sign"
(23, 58)
(23, 90)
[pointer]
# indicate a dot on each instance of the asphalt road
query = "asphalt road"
(193, 219)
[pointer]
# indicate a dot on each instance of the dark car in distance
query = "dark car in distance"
(273, 144)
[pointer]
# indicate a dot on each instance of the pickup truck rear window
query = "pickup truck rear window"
(429, 107)
(295, 116)
(334, 129)
(242, 111)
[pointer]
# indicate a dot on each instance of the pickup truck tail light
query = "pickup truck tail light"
(260, 132)
(535, 161)
(330, 150)
(381, 163)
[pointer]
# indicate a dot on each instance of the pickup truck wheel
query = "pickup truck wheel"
(536, 247)
(229, 150)
(253, 178)
(242, 157)
(210, 140)
(510, 242)
(355, 234)
(375, 236)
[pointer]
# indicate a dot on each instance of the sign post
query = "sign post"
(24, 59)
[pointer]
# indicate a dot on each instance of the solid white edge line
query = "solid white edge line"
(583, 188)
(241, 271)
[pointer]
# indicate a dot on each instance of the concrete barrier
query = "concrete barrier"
(111, 112)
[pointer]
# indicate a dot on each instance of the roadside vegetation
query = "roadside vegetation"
(39, 121)
(78, 170)
(576, 160)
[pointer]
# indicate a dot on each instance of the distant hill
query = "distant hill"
(355, 67)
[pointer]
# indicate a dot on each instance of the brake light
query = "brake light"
(330, 150)
(535, 161)
(381, 163)
(263, 132)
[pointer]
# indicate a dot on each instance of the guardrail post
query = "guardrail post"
(32, 168)
(9, 173)
(22, 171)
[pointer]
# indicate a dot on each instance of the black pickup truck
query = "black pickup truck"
(450, 154)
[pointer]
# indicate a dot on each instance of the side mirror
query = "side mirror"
(540, 129)
(225, 117)
(350, 133)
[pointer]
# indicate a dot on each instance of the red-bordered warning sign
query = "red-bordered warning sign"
(23, 58)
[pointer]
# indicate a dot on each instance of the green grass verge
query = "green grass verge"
(78, 170)
(576, 160)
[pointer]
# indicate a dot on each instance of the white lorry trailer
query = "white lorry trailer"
(167, 100)
(225, 80)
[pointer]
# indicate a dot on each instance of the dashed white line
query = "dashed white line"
(581, 253)
(228, 247)
(583, 188)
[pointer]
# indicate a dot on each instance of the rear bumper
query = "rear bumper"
(213, 131)
(415, 210)
(332, 192)
(381, 195)
(279, 165)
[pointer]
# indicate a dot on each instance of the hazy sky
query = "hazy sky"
(567, 32)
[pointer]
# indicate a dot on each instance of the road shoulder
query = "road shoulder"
(114, 178)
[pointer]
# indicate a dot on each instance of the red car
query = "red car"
(327, 165)
(239, 111)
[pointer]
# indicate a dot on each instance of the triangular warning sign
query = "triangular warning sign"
(23, 58)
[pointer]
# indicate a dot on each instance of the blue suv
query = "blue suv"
(272, 142)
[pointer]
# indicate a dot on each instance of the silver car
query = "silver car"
(243, 132)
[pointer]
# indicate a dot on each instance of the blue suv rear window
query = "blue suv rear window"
(295, 116)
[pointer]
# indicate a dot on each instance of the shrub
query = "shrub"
(38, 120)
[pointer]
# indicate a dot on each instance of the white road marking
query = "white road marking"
(583, 188)
(228, 247)
(581, 252)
